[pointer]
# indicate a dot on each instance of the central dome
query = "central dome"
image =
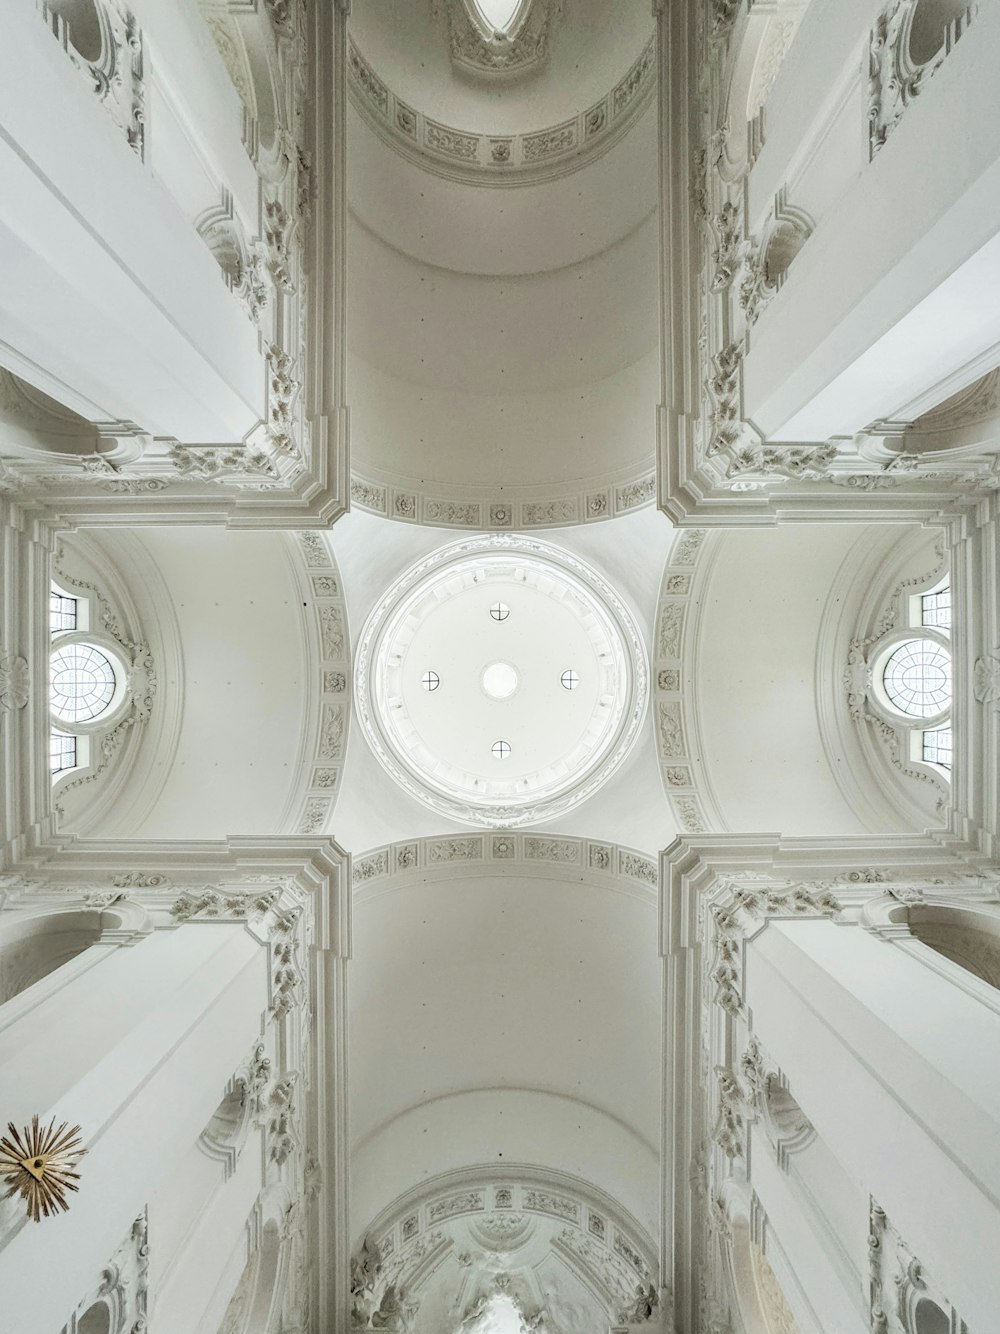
(501, 680)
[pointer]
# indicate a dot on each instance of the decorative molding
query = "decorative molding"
(506, 852)
(479, 51)
(270, 887)
(324, 740)
(721, 272)
(675, 643)
(115, 74)
(501, 159)
(15, 682)
(985, 680)
(123, 1288)
(241, 261)
(471, 1212)
(507, 509)
(717, 895)
(290, 469)
(898, 1282)
(894, 78)
(503, 510)
(455, 795)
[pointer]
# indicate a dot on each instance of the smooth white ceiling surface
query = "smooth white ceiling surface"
(527, 229)
(759, 679)
(243, 645)
(504, 334)
(505, 983)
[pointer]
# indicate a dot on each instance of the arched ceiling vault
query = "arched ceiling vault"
(502, 330)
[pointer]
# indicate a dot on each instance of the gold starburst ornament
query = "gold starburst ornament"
(38, 1164)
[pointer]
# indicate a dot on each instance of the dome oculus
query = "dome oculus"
(505, 696)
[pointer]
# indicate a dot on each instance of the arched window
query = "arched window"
(82, 682)
(88, 687)
(911, 677)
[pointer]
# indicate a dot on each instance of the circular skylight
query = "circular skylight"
(82, 682)
(917, 678)
(505, 614)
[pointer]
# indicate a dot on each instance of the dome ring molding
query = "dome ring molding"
(589, 776)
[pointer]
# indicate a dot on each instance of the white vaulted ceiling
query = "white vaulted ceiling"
(504, 1019)
(502, 327)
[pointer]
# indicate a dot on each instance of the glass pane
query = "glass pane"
(917, 678)
(937, 747)
(62, 613)
(935, 609)
(62, 752)
(82, 682)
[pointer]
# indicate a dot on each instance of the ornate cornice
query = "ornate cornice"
(485, 158)
(678, 746)
(328, 675)
(486, 508)
(453, 794)
(489, 852)
(499, 1210)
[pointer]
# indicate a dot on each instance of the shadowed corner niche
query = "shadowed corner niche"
(501, 680)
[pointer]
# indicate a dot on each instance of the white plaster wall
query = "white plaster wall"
(759, 679)
(242, 638)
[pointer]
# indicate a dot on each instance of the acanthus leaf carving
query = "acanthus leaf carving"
(14, 681)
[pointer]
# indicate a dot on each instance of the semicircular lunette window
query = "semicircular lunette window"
(82, 683)
(917, 678)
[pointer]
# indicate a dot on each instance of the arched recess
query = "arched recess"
(256, 1306)
(34, 424)
(480, 935)
(32, 948)
(879, 754)
(759, 1297)
(954, 929)
(456, 1250)
(48, 945)
(969, 939)
(760, 41)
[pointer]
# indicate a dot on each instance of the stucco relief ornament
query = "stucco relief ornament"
(14, 683)
(37, 1163)
(477, 46)
(986, 681)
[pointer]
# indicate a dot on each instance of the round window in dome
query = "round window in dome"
(82, 682)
